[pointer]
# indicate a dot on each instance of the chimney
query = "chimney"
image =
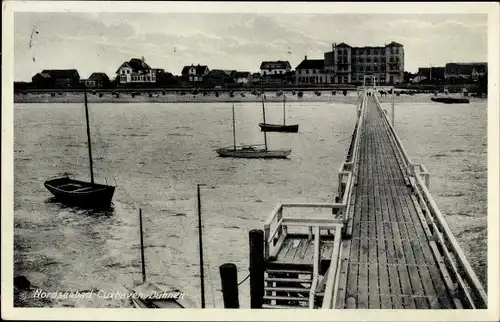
(143, 60)
(305, 57)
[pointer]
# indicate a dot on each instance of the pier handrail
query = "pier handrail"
(276, 225)
(328, 299)
(316, 259)
(401, 148)
(332, 277)
(442, 232)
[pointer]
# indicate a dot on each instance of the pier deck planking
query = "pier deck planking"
(390, 263)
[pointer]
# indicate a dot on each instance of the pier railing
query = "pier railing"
(276, 230)
(276, 226)
(461, 280)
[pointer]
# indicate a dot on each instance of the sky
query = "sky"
(101, 42)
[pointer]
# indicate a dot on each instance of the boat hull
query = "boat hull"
(253, 153)
(450, 100)
(292, 128)
(80, 193)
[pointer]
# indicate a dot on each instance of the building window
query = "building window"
(307, 71)
(123, 72)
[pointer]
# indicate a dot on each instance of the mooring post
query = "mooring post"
(229, 282)
(256, 268)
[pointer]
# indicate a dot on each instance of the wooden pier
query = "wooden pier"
(382, 244)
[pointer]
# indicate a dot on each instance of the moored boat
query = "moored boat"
(80, 193)
(251, 152)
(450, 100)
(267, 127)
(279, 128)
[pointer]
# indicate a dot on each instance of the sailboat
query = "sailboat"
(82, 193)
(267, 127)
(150, 295)
(251, 152)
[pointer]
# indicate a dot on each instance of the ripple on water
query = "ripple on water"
(101, 249)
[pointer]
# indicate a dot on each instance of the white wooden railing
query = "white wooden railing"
(351, 166)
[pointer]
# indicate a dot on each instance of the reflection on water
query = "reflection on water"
(157, 153)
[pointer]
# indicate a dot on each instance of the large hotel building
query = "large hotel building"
(348, 65)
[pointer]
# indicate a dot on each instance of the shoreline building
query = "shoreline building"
(56, 78)
(195, 74)
(136, 71)
(311, 71)
(348, 65)
(468, 71)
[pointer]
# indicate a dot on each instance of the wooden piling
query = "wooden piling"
(256, 268)
(229, 282)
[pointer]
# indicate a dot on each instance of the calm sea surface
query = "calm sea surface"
(157, 153)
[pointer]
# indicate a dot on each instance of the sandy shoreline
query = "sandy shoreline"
(326, 96)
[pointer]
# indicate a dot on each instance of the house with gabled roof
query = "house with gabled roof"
(311, 71)
(278, 67)
(59, 78)
(136, 71)
(195, 73)
(97, 80)
(242, 78)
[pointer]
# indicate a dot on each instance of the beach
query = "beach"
(223, 97)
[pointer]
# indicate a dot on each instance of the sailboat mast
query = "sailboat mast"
(202, 277)
(263, 112)
(234, 132)
(88, 135)
(284, 109)
(142, 248)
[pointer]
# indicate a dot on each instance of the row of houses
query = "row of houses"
(452, 71)
(343, 65)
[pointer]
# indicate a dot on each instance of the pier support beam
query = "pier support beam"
(229, 282)
(256, 268)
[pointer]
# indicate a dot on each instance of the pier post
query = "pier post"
(229, 282)
(393, 93)
(256, 268)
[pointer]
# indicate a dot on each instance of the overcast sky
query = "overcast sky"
(101, 42)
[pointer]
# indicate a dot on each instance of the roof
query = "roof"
(136, 64)
(343, 44)
(61, 73)
(311, 64)
(394, 44)
(200, 69)
(241, 74)
(275, 65)
(44, 75)
(98, 76)
(465, 68)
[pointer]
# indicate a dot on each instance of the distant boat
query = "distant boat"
(251, 151)
(450, 100)
(152, 296)
(82, 193)
(267, 127)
